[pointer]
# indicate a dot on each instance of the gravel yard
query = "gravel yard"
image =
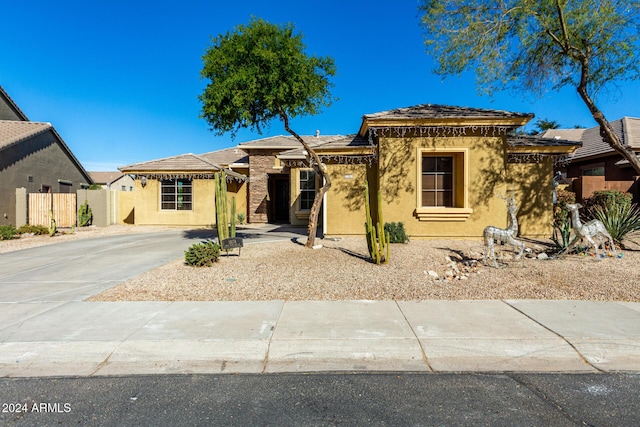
(341, 271)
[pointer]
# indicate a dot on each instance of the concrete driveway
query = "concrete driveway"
(75, 270)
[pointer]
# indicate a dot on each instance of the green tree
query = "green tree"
(543, 125)
(535, 45)
(260, 72)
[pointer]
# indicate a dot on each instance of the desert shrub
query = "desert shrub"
(202, 254)
(8, 232)
(619, 219)
(562, 218)
(38, 230)
(604, 199)
(241, 218)
(396, 231)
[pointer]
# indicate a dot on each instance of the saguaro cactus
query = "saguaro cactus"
(377, 237)
(233, 218)
(223, 219)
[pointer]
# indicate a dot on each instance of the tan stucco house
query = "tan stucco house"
(180, 190)
(443, 171)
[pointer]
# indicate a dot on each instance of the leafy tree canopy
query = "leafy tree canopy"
(259, 72)
(534, 44)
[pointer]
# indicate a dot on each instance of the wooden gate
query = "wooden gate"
(63, 206)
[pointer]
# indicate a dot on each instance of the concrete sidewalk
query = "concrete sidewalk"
(96, 338)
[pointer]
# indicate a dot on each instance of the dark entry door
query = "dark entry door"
(279, 189)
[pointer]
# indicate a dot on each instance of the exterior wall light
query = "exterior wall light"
(143, 181)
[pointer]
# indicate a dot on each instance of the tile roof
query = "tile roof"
(105, 177)
(226, 156)
(434, 111)
(13, 131)
(341, 142)
(10, 110)
(211, 161)
(184, 162)
(283, 142)
(538, 141)
(628, 128)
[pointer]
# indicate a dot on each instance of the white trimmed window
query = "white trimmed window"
(176, 194)
(437, 181)
(443, 184)
(307, 189)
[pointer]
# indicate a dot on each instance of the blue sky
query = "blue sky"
(120, 80)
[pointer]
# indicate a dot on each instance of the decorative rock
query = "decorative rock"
(543, 255)
(432, 274)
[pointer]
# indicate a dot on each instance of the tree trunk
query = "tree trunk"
(606, 131)
(320, 168)
(610, 136)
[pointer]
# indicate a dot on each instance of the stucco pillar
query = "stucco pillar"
(21, 206)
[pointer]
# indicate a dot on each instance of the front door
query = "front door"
(279, 192)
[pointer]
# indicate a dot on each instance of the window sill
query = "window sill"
(303, 214)
(443, 214)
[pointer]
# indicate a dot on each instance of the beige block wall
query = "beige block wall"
(237, 190)
(534, 196)
(21, 206)
(126, 207)
(101, 204)
(345, 200)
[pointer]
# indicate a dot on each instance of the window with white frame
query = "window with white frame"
(443, 184)
(437, 181)
(307, 189)
(176, 194)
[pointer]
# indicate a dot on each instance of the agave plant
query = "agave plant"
(620, 220)
(562, 219)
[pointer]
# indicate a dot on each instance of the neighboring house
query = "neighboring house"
(116, 181)
(33, 156)
(596, 166)
(443, 171)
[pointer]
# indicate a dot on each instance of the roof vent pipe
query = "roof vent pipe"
(317, 133)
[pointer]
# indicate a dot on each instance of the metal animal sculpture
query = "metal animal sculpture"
(589, 231)
(504, 235)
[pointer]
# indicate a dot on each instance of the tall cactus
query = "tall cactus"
(222, 215)
(232, 232)
(377, 237)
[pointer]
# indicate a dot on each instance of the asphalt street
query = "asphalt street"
(386, 399)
